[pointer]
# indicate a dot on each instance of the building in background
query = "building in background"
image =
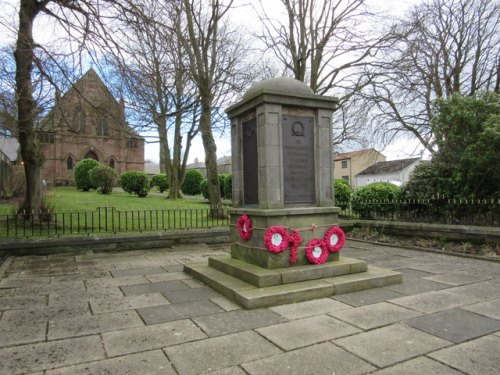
(394, 171)
(88, 122)
(348, 164)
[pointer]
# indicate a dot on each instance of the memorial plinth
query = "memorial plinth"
(283, 220)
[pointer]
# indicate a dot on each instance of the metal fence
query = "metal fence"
(482, 212)
(108, 220)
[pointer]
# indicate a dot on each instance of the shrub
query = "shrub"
(104, 178)
(222, 178)
(192, 182)
(161, 181)
(228, 187)
(135, 182)
(373, 200)
(204, 188)
(342, 192)
(81, 174)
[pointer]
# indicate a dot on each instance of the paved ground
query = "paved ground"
(138, 313)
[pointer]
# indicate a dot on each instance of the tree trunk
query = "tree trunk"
(30, 151)
(175, 182)
(210, 156)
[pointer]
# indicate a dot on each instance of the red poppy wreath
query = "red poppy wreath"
(294, 240)
(276, 239)
(316, 251)
(245, 228)
(334, 239)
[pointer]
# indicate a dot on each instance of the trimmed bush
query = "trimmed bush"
(135, 182)
(192, 182)
(104, 178)
(373, 200)
(204, 188)
(222, 178)
(160, 180)
(228, 187)
(342, 192)
(81, 174)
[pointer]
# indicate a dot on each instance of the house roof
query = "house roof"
(351, 154)
(9, 146)
(383, 167)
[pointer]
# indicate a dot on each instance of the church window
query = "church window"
(46, 137)
(69, 163)
(102, 128)
(132, 143)
(112, 163)
(79, 120)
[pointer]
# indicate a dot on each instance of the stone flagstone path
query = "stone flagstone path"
(138, 313)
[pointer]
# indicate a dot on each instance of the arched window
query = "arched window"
(79, 120)
(69, 163)
(112, 163)
(102, 128)
(91, 155)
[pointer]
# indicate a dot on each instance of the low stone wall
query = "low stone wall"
(473, 234)
(113, 243)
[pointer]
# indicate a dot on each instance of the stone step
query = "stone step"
(263, 277)
(250, 296)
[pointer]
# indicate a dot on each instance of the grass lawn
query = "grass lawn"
(65, 199)
(89, 212)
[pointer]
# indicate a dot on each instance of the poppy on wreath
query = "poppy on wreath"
(294, 240)
(334, 239)
(276, 239)
(245, 228)
(316, 251)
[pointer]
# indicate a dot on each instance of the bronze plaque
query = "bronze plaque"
(298, 159)
(250, 163)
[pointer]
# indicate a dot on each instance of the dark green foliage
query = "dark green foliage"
(192, 181)
(135, 182)
(467, 132)
(104, 178)
(161, 181)
(204, 188)
(373, 200)
(81, 174)
(342, 192)
(222, 177)
(228, 187)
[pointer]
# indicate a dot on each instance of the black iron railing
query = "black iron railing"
(483, 212)
(108, 220)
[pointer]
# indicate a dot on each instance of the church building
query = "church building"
(88, 122)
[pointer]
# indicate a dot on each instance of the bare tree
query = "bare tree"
(440, 48)
(215, 54)
(152, 63)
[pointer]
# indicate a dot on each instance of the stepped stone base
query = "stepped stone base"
(252, 286)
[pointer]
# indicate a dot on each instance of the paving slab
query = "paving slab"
(137, 271)
(219, 352)
(6, 292)
(22, 302)
(48, 355)
(44, 313)
(460, 277)
(455, 325)
(432, 302)
(309, 308)
(225, 303)
(490, 309)
(174, 268)
(233, 370)
(156, 336)
(88, 274)
(391, 344)
(418, 366)
(63, 287)
(376, 315)
(151, 363)
(412, 273)
(417, 286)
(479, 356)
(115, 281)
(100, 306)
(303, 332)
(367, 297)
(320, 359)
(76, 296)
(85, 325)
(190, 294)
(178, 311)
(193, 283)
(15, 334)
(237, 321)
(479, 291)
(167, 276)
(18, 283)
(148, 288)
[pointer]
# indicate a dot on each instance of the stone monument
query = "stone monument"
(285, 239)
